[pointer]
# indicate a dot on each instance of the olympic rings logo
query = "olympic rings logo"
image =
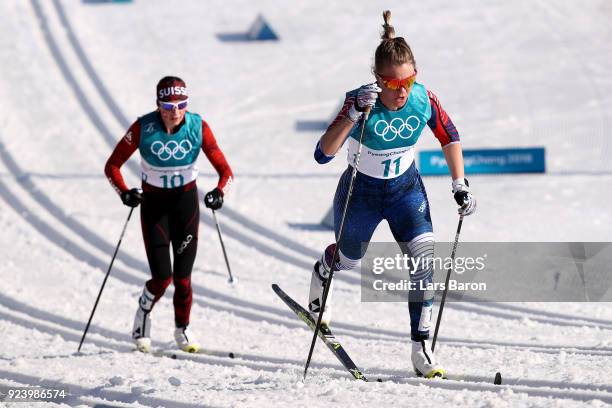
(397, 127)
(171, 150)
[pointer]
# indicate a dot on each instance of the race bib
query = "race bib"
(382, 164)
(168, 177)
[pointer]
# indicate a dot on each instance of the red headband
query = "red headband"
(172, 90)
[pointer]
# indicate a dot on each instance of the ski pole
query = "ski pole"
(105, 278)
(229, 270)
(340, 232)
(433, 343)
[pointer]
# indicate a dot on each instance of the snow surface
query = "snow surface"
(75, 75)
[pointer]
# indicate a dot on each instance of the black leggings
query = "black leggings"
(166, 217)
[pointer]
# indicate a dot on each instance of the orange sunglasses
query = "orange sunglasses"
(394, 83)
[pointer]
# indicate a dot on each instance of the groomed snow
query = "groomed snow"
(520, 73)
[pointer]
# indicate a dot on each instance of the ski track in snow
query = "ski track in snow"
(232, 303)
(112, 342)
(267, 363)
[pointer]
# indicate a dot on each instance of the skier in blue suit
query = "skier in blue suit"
(388, 185)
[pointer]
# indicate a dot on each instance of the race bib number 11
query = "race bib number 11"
(395, 167)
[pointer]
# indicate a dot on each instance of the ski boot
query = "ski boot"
(141, 333)
(315, 297)
(424, 362)
(185, 340)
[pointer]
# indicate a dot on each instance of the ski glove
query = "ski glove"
(214, 199)
(132, 197)
(463, 197)
(366, 97)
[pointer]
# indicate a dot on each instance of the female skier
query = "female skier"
(388, 185)
(169, 140)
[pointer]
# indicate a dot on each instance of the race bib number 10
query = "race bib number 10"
(173, 181)
(168, 177)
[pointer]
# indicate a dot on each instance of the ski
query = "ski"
(330, 341)
(325, 334)
(180, 354)
(464, 378)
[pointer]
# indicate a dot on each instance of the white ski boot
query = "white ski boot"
(185, 340)
(424, 362)
(315, 297)
(141, 333)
